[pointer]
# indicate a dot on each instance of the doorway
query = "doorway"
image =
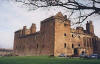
(75, 51)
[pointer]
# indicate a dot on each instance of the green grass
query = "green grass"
(45, 60)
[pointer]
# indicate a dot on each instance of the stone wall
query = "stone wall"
(38, 43)
(54, 38)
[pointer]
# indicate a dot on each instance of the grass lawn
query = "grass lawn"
(45, 60)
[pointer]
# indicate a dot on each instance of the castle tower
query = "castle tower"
(33, 29)
(55, 32)
(62, 34)
(90, 28)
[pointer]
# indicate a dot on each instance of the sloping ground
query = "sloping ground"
(45, 60)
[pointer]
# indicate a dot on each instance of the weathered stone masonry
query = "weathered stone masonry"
(56, 37)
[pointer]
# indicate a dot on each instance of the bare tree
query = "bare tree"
(92, 6)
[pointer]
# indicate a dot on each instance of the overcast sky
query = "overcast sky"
(13, 18)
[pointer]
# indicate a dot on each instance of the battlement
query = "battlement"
(34, 34)
(25, 31)
(18, 31)
(48, 19)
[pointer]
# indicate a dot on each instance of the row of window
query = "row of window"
(72, 45)
(65, 46)
(72, 35)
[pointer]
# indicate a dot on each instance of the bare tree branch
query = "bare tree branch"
(73, 5)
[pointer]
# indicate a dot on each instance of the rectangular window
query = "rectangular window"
(72, 35)
(78, 45)
(72, 45)
(65, 24)
(37, 45)
(64, 45)
(64, 34)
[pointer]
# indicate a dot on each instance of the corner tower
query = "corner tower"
(62, 34)
(90, 28)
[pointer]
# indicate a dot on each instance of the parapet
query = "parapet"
(18, 33)
(25, 31)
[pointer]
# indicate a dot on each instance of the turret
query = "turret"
(33, 29)
(24, 31)
(90, 28)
